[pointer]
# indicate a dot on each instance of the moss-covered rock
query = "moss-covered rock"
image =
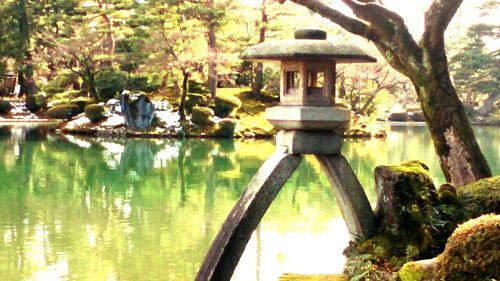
(423, 270)
(63, 111)
(202, 116)
(480, 197)
(95, 112)
(36, 102)
(226, 128)
(226, 105)
(414, 223)
(5, 107)
(472, 252)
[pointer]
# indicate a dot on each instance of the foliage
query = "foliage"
(109, 83)
(95, 112)
(472, 252)
(202, 115)
(63, 111)
(5, 107)
(474, 68)
(226, 105)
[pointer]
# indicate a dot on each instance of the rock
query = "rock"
(399, 117)
(95, 112)
(472, 252)
(137, 110)
(226, 128)
(202, 116)
(5, 107)
(226, 105)
(36, 102)
(404, 192)
(417, 116)
(63, 111)
(480, 197)
(422, 270)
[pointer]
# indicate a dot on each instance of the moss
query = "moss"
(5, 107)
(95, 112)
(417, 271)
(226, 105)
(320, 277)
(472, 252)
(202, 116)
(480, 197)
(195, 100)
(414, 223)
(63, 111)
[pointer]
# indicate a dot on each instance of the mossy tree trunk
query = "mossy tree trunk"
(212, 50)
(426, 65)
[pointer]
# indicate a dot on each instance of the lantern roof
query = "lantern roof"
(309, 44)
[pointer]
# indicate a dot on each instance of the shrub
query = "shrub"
(81, 105)
(36, 102)
(63, 111)
(472, 251)
(197, 87)
(202, 115)
(5, 107)
(195, 100)
(59, 83)
(481, 197)
(226, 105)
(226, 128)
(95, 112)
(109, 83)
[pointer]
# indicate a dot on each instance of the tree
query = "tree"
(425, 63)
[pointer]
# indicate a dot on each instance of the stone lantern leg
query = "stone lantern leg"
(309, 123)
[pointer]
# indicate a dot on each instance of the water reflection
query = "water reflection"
(79, 208)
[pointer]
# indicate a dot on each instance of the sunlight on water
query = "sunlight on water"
(75, 208)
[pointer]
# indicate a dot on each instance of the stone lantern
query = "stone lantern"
(310, 122)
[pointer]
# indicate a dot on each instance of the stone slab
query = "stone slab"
(292, 117)
(310, 142)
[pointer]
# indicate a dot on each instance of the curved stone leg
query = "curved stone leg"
(228, 246)
(351, 197)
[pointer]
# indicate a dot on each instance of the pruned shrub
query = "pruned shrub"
(226, 128)
(36, 102)
(109, 83)
(226, 105)
(95, 112)
(202, 115)
(195, 100)
(5, 107)
(472, 252)
(63, 111)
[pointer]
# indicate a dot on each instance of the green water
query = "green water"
(98, 209)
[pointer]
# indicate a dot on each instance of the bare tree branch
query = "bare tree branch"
(350, 24)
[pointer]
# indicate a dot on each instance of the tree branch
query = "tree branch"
(350, 24)
(437, 18)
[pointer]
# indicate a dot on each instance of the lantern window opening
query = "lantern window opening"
(315, 81)
(292, 82)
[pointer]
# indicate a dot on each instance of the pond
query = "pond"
(74, 208)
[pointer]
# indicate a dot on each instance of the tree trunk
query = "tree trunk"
(258, 81)
(459, 154)
(27, 82)
(212, 52)
(185, 89)
(108, 42)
